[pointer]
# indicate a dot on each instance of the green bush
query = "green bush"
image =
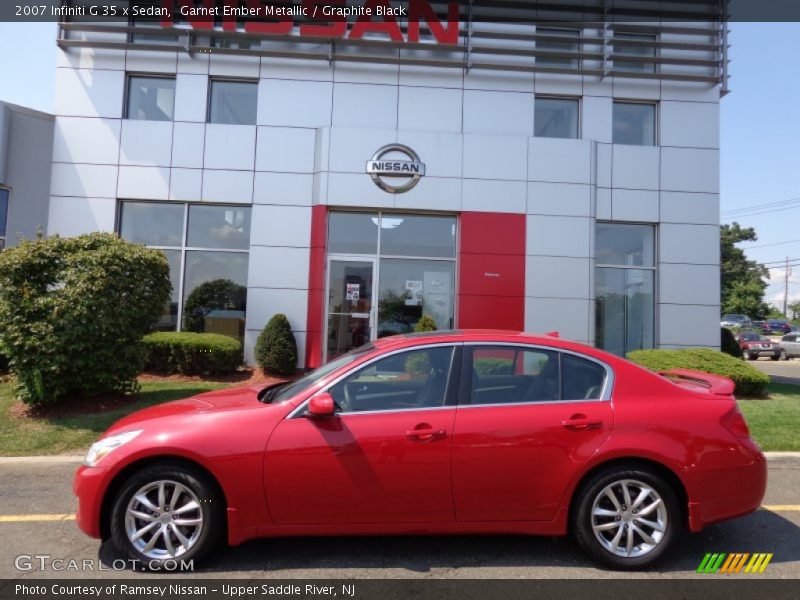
(426, 323)
(276, 350)
(487, 365)
(749, 380)
(73, 312)
(217, 294)
(191, 353)
(729, 344)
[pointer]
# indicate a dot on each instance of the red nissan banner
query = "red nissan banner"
(329, 19)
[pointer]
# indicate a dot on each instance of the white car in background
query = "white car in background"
(741, 321)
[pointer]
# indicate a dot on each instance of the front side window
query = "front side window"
(634, 123)
(624, 287)
(415, 379)
(556, 117)
(518, 375)
(207, 250)
(151, 98)
(557, 40)
(233, 102)
(639, 45)
(3, 216)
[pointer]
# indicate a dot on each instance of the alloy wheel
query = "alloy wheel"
(163, 519)
(629, 518)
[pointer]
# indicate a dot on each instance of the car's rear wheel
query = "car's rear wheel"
(165, 513)
(784, 356)
(626, 518)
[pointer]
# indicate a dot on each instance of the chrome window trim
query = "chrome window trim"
(333, 382)
(608, 385)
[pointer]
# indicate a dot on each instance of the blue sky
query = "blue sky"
(760, 124)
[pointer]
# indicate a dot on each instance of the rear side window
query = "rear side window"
(516, 375)
(582, 379)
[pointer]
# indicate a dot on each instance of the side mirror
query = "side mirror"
(321, 405)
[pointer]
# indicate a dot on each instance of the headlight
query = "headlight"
(103, 447)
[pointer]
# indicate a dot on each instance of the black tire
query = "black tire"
(211, 509)
(784, 356)
(751, 356)
(777, 357)
(582, 519)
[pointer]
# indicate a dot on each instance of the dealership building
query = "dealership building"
(358, 175)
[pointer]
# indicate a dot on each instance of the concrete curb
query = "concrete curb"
(78, 458)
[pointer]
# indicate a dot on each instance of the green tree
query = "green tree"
(742, 280)
(73, 312)
(217, 294)
(276, 349)
(795, 308)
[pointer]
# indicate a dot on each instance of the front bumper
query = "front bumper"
(89, 486)
(764, 351)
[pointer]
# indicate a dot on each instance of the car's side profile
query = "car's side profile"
(789, 346)
(450, 432)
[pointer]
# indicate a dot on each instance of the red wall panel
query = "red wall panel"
(315, 321)
(491, 268)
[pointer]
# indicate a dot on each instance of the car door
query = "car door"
(790, 345)
(527, 419)
(384, 457)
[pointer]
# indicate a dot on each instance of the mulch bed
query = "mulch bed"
(73, 406)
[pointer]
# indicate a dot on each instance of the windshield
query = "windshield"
(733, 318)
(749, 337)
(284, 391)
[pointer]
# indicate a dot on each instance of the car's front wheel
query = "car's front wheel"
(165, 513)
(626, 518)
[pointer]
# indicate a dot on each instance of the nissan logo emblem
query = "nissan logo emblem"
(408, 171)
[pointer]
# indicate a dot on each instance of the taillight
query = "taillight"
(734, 422)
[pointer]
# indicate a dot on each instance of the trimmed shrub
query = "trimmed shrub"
(189, 353)
(749, 380)
(73, 312)
(276, 349)
(426, 323)
(217, 294)
(729, 344)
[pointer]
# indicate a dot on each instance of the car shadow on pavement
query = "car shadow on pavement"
(762, 531)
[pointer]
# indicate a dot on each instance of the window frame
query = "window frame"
(579, 124)
(183, 248)
(656, 117)
(574, 63)
(130, 75)
(4, 233)
(209, 94)
(653, 268)
(452, 394)
(606, 395)
(643, 67)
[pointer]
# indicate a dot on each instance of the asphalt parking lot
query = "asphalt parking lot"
(781, 371)
(36, 498)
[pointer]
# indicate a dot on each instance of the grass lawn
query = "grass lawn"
(775, 423)
(23, 436)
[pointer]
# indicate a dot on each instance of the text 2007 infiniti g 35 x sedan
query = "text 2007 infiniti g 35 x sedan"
(448, 432)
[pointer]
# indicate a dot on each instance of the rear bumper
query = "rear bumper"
(89, 485)
(729, 492)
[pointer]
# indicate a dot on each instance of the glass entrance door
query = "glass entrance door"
(350, 309)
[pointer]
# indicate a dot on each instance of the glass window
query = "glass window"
(634, 123)
(644, 49)
(152, 223)
(624, 318)
(151, 98)
(215, 292)
(410, 289)
(556, 117)
(402, 381)
(511, 375)
(416, 235)
(3, 216)
(209, 287)
(558, 46)
(581, 379)
(233, 102)
(219, 227)
(625, 245)
(353, 233)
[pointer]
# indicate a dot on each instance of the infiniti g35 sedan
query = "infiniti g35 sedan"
(437, 433)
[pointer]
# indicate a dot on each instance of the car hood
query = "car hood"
(229, 399)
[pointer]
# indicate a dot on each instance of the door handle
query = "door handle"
(580, 423)
(425, 434)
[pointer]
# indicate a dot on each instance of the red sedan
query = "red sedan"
(447, 432)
